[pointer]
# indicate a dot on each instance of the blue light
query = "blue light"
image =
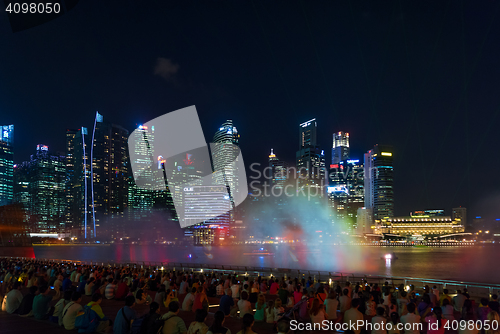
(497, 219)
(322, 152)
(478, 217)
(190, 256)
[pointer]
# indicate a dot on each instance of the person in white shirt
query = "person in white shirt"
(352, 316)
(345, 301)
(413, 319)
(184, 286)
(187, 303)
(13, 299)
(379, 322)
(244, 305)
(447, 310)
(331, 305)
(71, 310)
(235, 290)
(60, 305)
(458, 301)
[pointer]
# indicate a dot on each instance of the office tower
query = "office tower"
(21, 186)
(141, 198)
(6, 164)
(364, 221)
(278, 172)
(225, 157)
(207, 209)
(310, 159)
(110, 172)
(340, 147)
(46, 177)
(78, 189)
(346, 193)
(460, 213)
(378, 172)
(307, 134)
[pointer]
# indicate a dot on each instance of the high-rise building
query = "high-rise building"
(207, 210)
(225, 155)
(46, 177)
(307, 134)
(278, 171)
(110, 173)
(78, 186)
(346, 193)
(6, 164)
(378, 175)
(460, 213)
(141, 194)
(340, 147)
(364, 221)
(310, 159)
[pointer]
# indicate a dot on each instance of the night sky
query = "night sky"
(422, 76)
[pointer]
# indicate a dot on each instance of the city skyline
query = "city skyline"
(428, 90)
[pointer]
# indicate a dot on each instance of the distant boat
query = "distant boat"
(389, 257)
(260, 252)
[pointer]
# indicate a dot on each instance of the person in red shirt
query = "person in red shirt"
(274, 287)
(121, 290)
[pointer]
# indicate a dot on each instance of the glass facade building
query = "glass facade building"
(378, 180)
(45, 175)
(6, 164)
(340, 147)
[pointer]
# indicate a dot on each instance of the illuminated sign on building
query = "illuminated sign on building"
(42, 147)
(306, 124)
(387, 154)
(161, 161)
(337, 189)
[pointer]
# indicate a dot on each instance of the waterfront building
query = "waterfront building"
(207, 212)
(6, 164)
(45, 175)
(109, 177)
(340, 147)
(278, 171)
(310, 159)
(364, 221)
(427, 226)
(460, 213)
(378, 181)
(346, 193)
(78, 183)
(225, 157)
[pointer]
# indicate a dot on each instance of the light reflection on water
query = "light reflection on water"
(458, 263)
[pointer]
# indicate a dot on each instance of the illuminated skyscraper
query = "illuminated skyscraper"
(141, 198)
(307, 134)
(6, 164)
(78, 189)
(46, 177)
(340, 147)
(211, 206)
(379, 193)
(225, 157)
(346, 193)
(310, 159)
(278, 172)
(110, 172)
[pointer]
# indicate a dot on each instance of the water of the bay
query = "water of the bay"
(472, 264)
